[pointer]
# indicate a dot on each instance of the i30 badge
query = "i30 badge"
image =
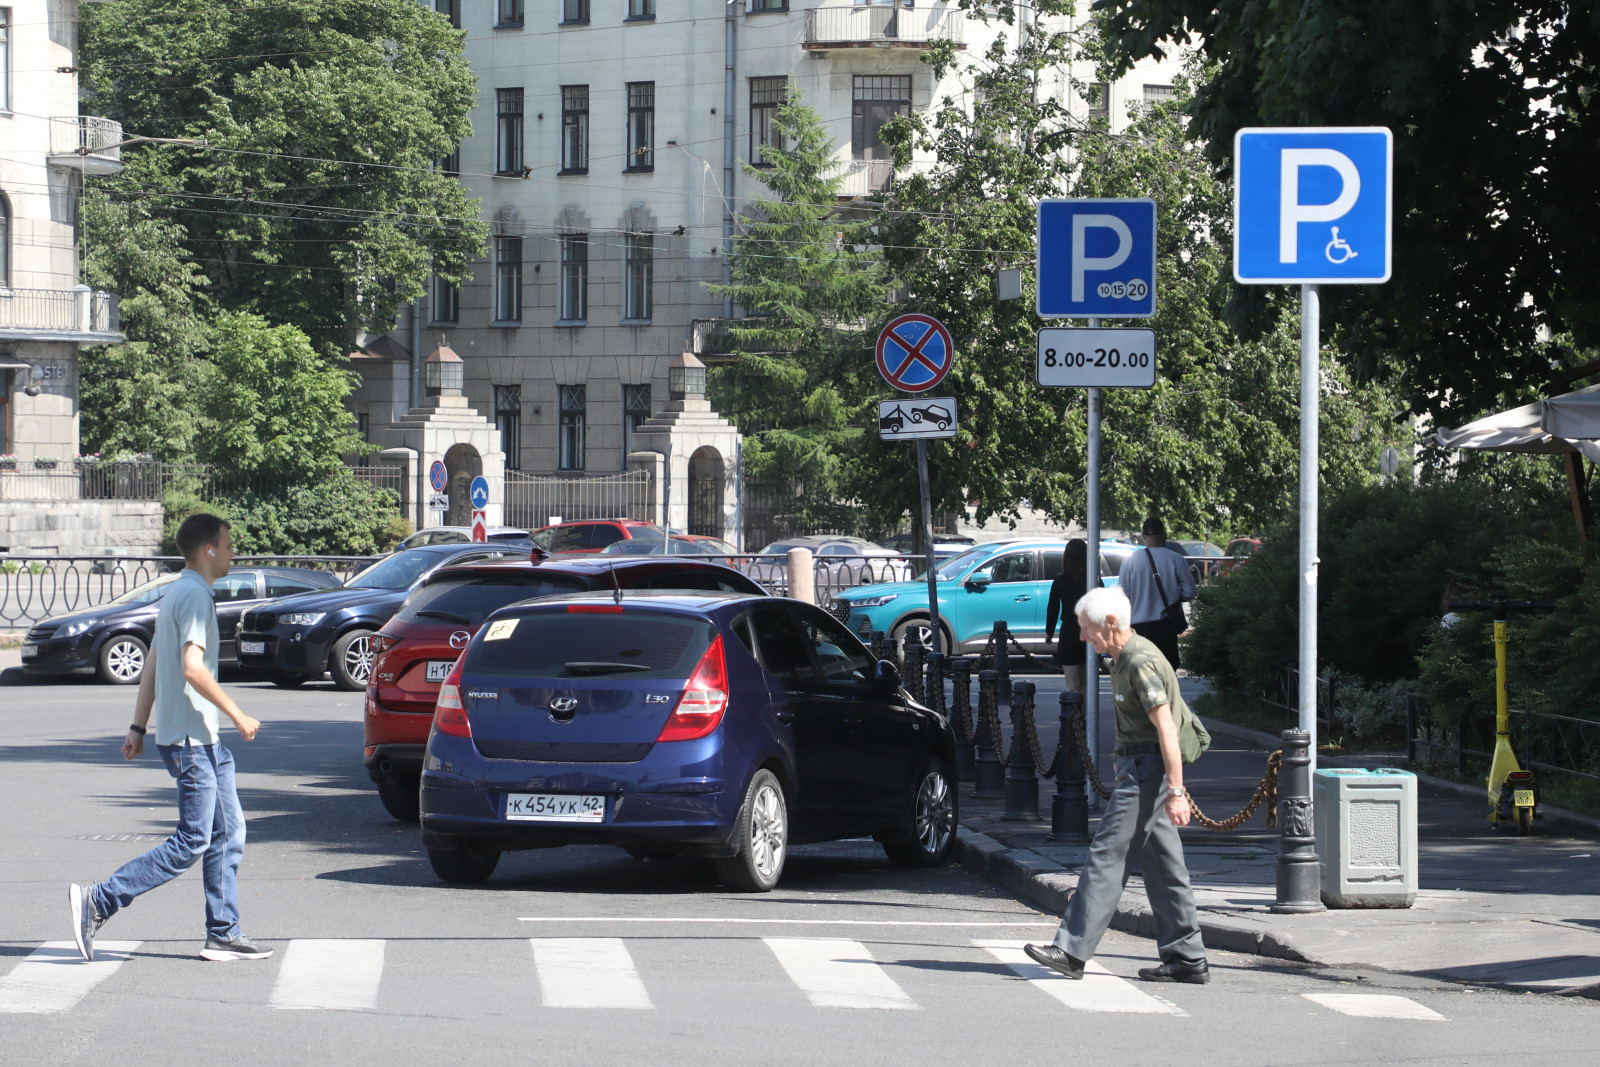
(459, 639)
(563, 704)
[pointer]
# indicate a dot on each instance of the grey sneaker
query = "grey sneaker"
(240, 948)
(86, 918)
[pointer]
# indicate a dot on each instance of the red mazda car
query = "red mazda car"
(417, 647)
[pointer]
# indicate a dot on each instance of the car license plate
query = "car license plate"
(1522, 798)
(439, 669)
(555, 807)
(30, 651)
(252, 648)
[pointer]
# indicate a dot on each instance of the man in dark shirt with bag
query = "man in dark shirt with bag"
(1156, 735)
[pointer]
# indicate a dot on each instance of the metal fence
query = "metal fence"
(882, 25)
(68, 310)
(535, 500)
(94, 479)
(1544, 741)
(41, 587)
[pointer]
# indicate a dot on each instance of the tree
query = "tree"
(313, 197)
(1496, 148)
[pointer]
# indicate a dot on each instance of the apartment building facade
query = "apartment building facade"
(608, 153)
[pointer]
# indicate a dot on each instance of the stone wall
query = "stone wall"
(81, 527)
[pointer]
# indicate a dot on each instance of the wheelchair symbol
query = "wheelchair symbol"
(1338, 244)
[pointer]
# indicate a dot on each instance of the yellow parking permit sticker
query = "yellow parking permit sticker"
(499, 631)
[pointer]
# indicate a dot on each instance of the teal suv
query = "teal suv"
(1007, 580)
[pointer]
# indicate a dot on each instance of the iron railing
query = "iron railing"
(533, 501)
(1542, 740)
(95, 479)
(881, 26)
(78, 310)
(86, 135)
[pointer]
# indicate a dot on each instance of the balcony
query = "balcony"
(880, 26)
(86, 144)
(81, 315)
(866, 177)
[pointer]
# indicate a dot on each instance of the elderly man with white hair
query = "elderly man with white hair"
(1148, 803)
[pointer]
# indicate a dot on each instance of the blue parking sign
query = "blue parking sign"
(1312, 205)
(1097, 259)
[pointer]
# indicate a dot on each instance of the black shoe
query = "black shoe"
(1178, 971)
(86, 918)
(1055, 958)
(240, 948)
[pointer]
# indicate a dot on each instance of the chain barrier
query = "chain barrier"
(1080, 738)
(1266, 790)
(1022, 718)
(989, 720)
(963, 709)
(916, 658)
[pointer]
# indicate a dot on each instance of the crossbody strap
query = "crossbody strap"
(1166, 605)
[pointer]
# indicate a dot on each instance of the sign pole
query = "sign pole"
(927, 546)
(1310, 389)
(1091, 674)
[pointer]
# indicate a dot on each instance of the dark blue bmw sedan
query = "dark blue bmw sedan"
(710, 724)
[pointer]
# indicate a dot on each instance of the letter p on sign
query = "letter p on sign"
(1082, 262)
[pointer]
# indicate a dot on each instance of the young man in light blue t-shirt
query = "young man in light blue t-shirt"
(179, 687)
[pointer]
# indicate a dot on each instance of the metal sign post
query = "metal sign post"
(914, 353)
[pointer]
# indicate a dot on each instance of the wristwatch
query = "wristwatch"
(1179, 792)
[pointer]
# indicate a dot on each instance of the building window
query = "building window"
(878, 100)
(635, 409)
(574, 10)
(641, 126)
(575, 277)
(574, 129)
(765, 96)
(508, 13)
(569, 448)
(363, 425)
(769, 5)
(450, 165)
(508, 107)
(641, 9)
(446, 299)
(508, 420)
(639, 251)
(1159, 94)
(450, 9)
(5, 59)
(1098, 97)
(508, 279)
(5, 243)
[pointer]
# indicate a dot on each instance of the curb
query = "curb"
(1569, 820)
(1048, 886)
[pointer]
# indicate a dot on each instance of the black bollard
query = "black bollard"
(912, 671)
(989, 779)
(933, 688)
(1022, 783)
(1069, 809)
(875, 642)
(961, 712)
(1299, 875)
(1002, 659)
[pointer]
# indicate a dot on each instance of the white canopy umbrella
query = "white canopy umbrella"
(1569, 423)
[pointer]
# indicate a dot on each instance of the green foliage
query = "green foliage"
(1387, 555)
(314, 198)
(1492, 105)
(335, 515)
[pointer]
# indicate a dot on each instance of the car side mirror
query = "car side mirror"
(979, 580)
(887, 675)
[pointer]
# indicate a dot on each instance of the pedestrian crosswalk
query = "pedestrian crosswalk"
(603, 973)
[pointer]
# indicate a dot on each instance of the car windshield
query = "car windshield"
(779, 548)
(956, 566)
(636, 644)
(146, 593)
(646, 533)
(469, 601)
(396, 572)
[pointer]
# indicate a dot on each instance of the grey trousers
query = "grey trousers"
(1135, 825)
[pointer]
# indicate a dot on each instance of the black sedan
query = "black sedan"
(113, 639)
(298, 639)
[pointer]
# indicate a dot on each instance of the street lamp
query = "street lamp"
(686, 377)
(444, 374)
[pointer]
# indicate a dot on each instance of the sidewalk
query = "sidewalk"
(1493, 909)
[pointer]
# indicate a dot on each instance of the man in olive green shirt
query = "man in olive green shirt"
(1148, 803)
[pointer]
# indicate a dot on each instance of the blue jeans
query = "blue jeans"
(210, 825)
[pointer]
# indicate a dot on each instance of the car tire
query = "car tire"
(920, 625)
(350, 661)
(122, 659)
(761, 835)
(286, 680)
(464, 863)
(930, 833)
(401, 799)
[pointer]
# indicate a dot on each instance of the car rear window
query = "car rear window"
(470, 601)
(629, 645)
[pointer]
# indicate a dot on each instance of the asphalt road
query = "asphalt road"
(586, 955)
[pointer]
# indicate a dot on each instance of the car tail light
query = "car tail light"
(382, 643)
(594, 609)
(705, 698)
(449, 717)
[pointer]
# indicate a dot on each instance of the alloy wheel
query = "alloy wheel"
(767, 831)
(125, 661)
(358, 660)
(935, 812)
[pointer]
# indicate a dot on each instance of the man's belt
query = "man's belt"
(1143, 748)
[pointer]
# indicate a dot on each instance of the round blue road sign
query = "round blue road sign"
(480, 492)
(436, 476)
(915, 352)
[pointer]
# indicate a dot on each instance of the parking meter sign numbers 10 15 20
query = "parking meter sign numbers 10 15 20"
(1097, 359)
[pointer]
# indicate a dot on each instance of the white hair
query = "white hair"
(1100, 604)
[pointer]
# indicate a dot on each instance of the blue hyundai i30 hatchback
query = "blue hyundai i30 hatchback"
(711, 724)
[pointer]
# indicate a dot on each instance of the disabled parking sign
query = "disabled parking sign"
(1313, 205)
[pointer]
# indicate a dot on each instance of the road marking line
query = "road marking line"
(54, 977)
(835, 972)
(587, 972)
(1099, 990)
(1374, 1006)
(1048, 923)
(329, 975)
